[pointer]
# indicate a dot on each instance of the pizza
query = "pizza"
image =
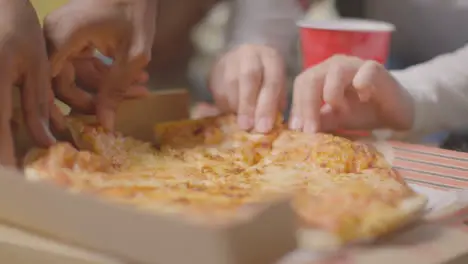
(343, 191)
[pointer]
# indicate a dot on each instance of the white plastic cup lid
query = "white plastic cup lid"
(347, 24)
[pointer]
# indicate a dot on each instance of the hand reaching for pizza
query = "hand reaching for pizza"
(91, 74)
(250, 81)
(23, 63)
(120, 29)
(349, 93)
(81, 79)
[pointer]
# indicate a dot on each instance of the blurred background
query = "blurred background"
(191, 35)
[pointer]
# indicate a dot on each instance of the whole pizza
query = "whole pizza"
(343, 191)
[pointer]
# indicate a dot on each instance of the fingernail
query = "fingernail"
(104, 59)
(264, 125)
(106, 118)
(295, 124)
(310, 128)
(50, 137)
(245, 122)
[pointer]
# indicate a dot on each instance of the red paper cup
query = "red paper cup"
(366, 39)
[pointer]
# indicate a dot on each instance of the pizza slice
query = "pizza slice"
(342, 208)
(122, 151)
(336, 154)
(345, 190)
(170, 186)
(355, 211)
(219, 138)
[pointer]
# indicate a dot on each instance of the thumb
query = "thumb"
(394, 104)
(68, 34)
(218, 85)
(90, 73)
(144, 26)
(35, 93)
(112, 92)
(62, 34)
(115, 85)
(128, 62)
(370, 76)
(202, 110)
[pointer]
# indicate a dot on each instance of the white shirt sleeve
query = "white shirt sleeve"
(269, 22)
(439, 89)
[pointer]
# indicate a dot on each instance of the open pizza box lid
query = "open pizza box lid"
(45, 224)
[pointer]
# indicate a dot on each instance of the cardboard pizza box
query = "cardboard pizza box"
(137, 236)
(45, 224)
(430, 243)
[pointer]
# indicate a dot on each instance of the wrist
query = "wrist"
(410, 111)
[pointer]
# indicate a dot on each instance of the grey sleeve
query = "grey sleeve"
(269, 22)
(439, 90)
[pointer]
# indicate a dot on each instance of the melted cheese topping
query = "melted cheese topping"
(211, 167)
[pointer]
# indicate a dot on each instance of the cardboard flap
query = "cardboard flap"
(142, 114)
(136, 118)
(273, 229)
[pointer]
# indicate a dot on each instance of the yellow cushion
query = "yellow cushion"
(44, 7)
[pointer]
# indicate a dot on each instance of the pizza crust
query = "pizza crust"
(384, 148)
(409, 211)
(33, 155)
(33, 175)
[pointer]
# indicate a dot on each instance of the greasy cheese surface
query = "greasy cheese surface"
(210, 167)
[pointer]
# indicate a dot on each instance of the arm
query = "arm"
(269, 22)
(439, 89)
